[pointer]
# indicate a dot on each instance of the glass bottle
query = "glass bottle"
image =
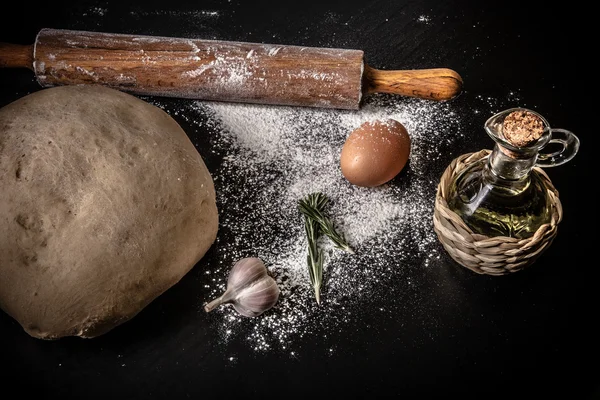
(502, 194)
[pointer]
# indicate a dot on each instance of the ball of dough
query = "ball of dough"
(105, 204)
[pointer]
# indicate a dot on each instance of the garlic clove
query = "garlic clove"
(250, 289)
(246, 313)
(255, 299)
(246, 271)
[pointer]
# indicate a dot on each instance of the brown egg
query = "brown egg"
(375, 152)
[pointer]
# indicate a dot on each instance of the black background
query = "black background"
(529, 334)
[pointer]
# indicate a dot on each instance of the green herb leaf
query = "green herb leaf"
(315, 222)
(315, 255)
(312, 207)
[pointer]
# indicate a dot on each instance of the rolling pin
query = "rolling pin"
(219, 70)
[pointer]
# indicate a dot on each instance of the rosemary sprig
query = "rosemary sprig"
(315, 223)
(315, 255)
(312, 207)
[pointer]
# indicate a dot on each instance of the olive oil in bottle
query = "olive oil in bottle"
(503, 194)
(493, 206)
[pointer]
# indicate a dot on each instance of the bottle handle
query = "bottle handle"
(569, 146)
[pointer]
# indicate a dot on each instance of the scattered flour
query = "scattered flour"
(273, 156)
(181, 14)
(99, 11)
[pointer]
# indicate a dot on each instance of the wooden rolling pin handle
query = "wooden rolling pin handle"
(16, 55)
(433, 84)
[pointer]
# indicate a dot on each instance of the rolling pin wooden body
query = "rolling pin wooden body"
(219, 70)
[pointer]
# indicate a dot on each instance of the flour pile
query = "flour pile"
(272, 156)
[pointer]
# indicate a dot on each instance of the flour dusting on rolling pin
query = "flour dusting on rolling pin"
(220, 70)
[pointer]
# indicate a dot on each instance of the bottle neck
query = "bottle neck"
(505, 164)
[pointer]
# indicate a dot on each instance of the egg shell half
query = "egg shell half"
(375, 152)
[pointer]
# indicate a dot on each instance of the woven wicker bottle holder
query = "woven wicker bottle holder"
(499, 255)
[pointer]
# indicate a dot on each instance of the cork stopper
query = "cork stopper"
(521, 128)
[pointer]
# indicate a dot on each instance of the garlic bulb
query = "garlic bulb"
(250, 289)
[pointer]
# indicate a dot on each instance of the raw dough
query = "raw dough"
(105, 204)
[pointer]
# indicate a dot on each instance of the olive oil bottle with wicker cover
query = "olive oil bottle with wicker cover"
(503, 194)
